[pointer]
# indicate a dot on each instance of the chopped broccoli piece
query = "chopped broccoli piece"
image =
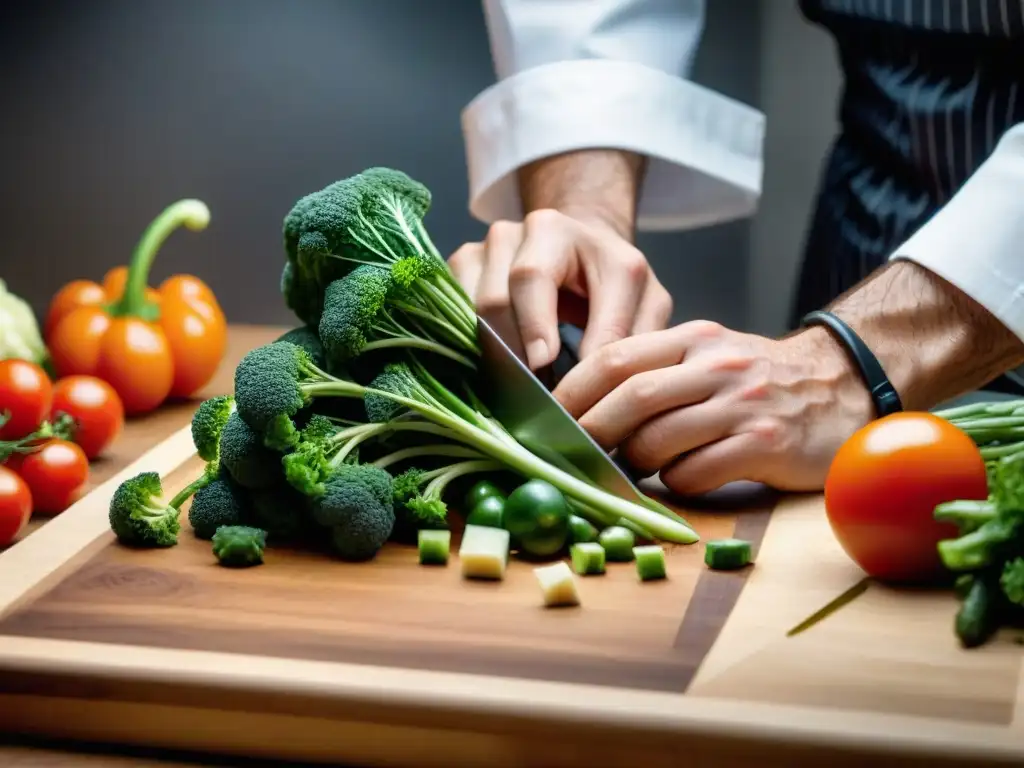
(208, 423)
(307, 338)
(140, 516)
(239, 546)
(242, 453)
(221, 502)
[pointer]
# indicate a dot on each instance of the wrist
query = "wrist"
(598, 187)
(933, 341)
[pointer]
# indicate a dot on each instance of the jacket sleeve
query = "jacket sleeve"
(575, 75)
(976, 241)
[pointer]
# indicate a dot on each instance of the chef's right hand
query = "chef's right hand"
(528, 277)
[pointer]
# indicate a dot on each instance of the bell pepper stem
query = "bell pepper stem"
(193, 214)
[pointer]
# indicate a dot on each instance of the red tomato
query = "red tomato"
(883, 487)
(15, 505)
(95, 407)
(56, 475)
(25, 395)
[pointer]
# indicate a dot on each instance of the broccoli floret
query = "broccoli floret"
(352, 486)
(282, 512)
(358, 318)
(140, 516)
(306, 338)
(372, 218)
(220, 502)
(274, 382)
(239, 546)
(242, 453)
(207, 424)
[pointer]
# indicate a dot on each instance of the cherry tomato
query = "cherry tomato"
(25, 396)
(96, 409)
(15, 505)
(56, 474)
(884, 484)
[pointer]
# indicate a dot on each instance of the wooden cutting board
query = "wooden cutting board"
(391, 663)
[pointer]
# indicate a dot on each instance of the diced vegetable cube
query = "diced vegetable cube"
(434, 546)
(558, 584)
(587, 558)
(727, 554)
(650, 562)
(484, 552)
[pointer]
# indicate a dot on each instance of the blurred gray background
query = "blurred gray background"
(114, 108)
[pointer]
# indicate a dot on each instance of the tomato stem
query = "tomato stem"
(191, 213)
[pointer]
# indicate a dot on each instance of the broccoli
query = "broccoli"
(422, 492)
(242, 453)
(276, 381)
(239, 546)
(208, 423)
(375, 217)
(358, 318)
(307, 338)
(220, 502)
(1012, 581)
(349, 487)
(140, 516)
(281, 511)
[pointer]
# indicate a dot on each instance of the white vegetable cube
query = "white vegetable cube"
(483, 553)
(558, 584)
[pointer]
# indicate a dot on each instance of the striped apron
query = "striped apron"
(930, 86)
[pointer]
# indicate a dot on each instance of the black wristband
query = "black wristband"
(883, 393)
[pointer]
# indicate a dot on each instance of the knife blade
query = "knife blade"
(518, 399)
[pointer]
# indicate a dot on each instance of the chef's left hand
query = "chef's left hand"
(703, 405)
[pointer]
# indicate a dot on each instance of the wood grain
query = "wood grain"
(393, 612)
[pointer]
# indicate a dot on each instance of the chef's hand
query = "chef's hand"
(527, 277)
(704, 405)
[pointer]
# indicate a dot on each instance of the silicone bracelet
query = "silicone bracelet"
(883, 393)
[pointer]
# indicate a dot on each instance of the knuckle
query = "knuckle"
(544, 218)
(491, 302)
(645, 393)
(613, 360)
(632, 263)
(731, 361)
(464, 254)
(707, 329)
(523, 271)
(501, 230)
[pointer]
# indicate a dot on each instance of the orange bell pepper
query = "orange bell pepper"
(149, 345)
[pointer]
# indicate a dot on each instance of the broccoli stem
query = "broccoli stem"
(448, 308)
(516, 457)
(191, 213)
(413, 342)
(433, 449)
(439, 479)
(185, 493)
(439, 326)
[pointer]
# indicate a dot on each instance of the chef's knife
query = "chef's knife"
(521, 402)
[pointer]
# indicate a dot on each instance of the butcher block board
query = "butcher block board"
(392, 663)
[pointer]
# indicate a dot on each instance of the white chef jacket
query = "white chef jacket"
(578, 74)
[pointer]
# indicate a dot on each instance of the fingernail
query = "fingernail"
(537, 354)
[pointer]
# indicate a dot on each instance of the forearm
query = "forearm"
(932, 339)
(595, 186)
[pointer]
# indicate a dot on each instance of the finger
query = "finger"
(541, 267)
(592, 379)
(492, 294)
(655, 308)
(615, 285)
(466, 265)
(739, 457)
(643, 399)
(661, 440)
